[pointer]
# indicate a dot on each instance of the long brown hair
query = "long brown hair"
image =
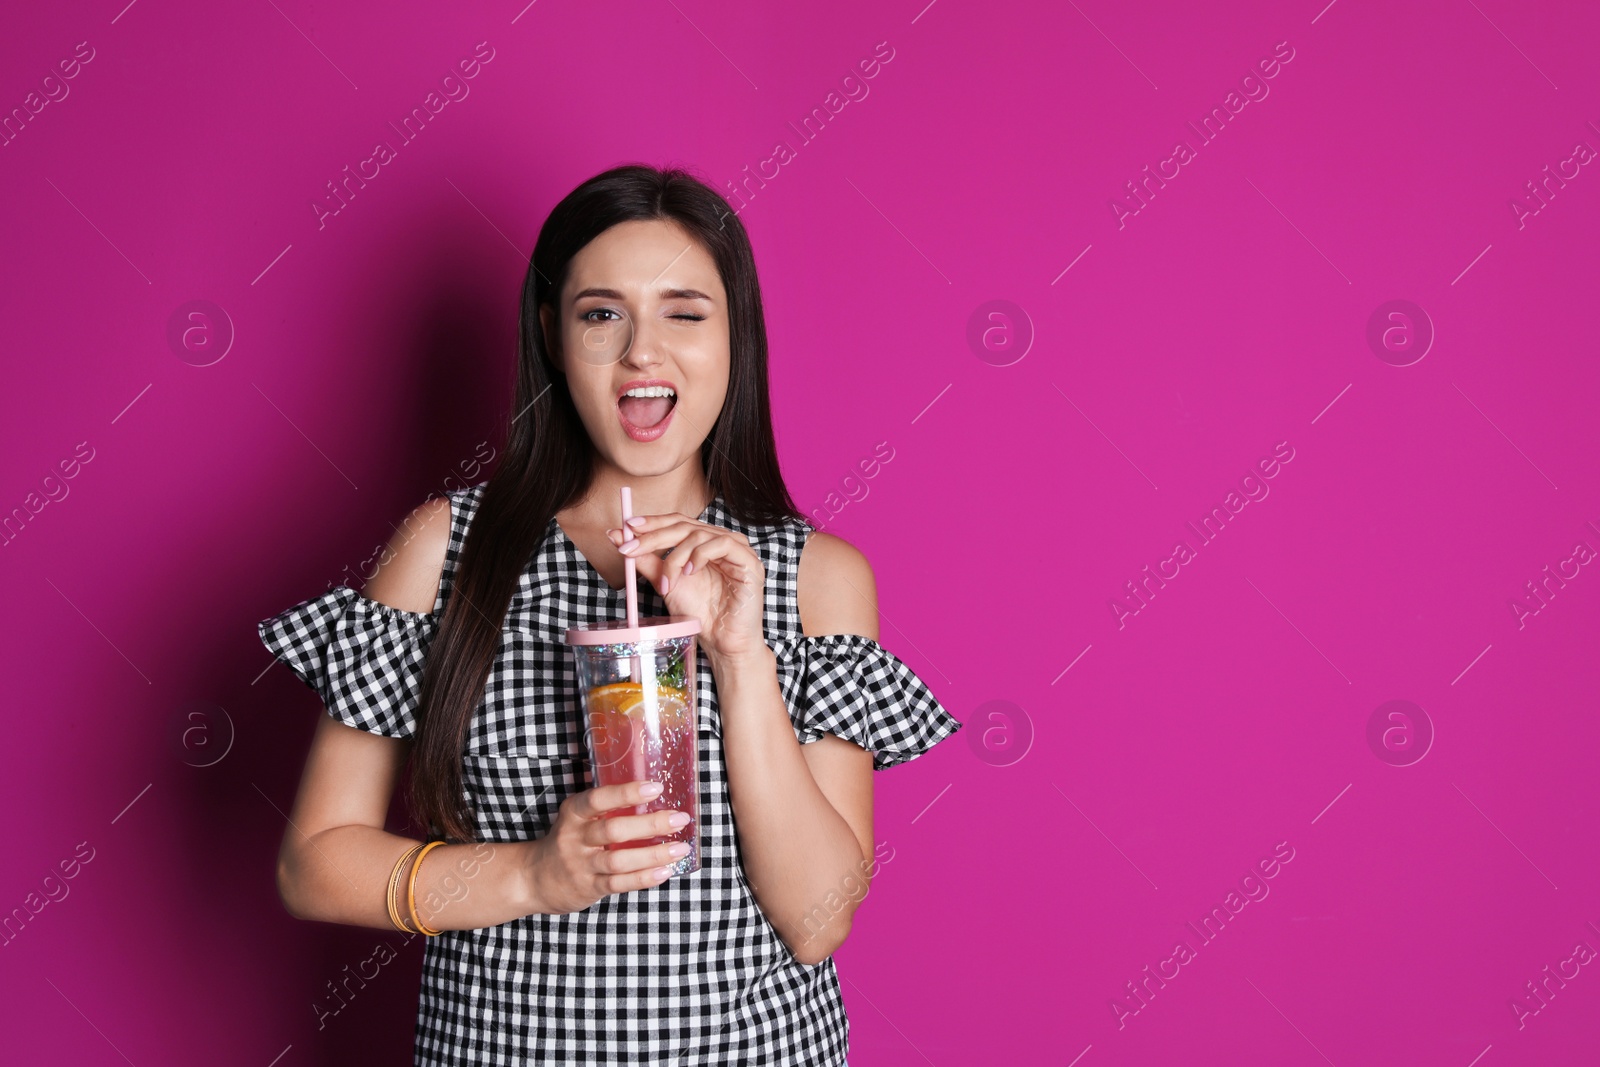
(548, 458)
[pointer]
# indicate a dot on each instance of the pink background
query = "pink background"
(1042, 858)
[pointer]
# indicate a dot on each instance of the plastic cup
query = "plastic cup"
(636, 688)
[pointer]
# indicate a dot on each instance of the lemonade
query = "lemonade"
(637, 735)
(636, 687)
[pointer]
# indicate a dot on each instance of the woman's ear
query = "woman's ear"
(550, 345)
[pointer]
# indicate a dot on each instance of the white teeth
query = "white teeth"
(650, 390)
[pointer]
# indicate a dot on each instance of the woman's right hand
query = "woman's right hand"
(570, 867)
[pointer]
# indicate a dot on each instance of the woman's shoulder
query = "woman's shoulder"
(835, 587)
(414, 566)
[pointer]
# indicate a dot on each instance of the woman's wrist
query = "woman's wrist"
(757, 662)
(524, 889)
(469, 886)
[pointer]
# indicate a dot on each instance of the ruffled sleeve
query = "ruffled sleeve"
(363, 658)
(851, 686)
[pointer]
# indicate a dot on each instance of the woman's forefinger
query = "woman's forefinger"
(659, 533)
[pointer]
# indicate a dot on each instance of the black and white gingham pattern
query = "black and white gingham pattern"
(850, 685)
(362, 657)
(687, 973)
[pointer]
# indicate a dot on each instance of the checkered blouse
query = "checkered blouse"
(688, 972)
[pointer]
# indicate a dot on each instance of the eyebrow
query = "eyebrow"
(667, 294)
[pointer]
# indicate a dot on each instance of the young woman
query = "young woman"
(542, 945)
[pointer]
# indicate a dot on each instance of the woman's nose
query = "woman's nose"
(642, 351)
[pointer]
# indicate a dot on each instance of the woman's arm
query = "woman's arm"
(336, 856)
(804, 812)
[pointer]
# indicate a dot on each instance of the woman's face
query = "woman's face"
(643, 305)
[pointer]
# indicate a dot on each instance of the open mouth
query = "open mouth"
(645, 412)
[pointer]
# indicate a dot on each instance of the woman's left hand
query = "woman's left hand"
(712, 574)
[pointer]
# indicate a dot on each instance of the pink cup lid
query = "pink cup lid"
(617, 631)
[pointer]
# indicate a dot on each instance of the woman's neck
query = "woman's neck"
(685, 492)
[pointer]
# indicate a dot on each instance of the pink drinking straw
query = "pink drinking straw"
(630, 568)
(637, 744)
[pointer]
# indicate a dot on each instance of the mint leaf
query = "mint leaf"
(673, 674)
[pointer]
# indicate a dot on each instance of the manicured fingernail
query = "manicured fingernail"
(637, 520)
(650, 789)
(630, 547)
(677, 819)
(688, 568)
(662, 873)
(680, 849)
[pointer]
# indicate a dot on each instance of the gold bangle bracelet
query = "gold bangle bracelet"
(393, 890)
(411, 892)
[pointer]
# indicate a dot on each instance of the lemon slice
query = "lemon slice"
(628, 698)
